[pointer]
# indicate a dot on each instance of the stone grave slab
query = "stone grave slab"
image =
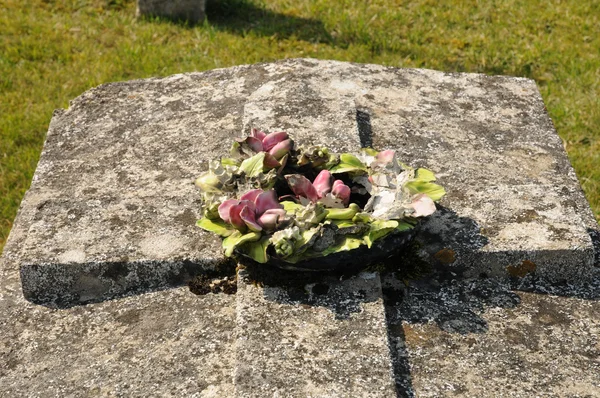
(112, 205)
(111, 212)
(312, 343)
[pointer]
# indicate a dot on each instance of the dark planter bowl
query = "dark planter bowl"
(355, 259)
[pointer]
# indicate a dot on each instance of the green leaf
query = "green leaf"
(351, 160)
(345, 213)
(217, 226)
(253, 166)
(331, 162)
(257, 250)
(209, 182)
(235, 149)
(370, 151)
(362, 217)
(306, 237)
(229, 162)
(236, 239)
(342, 223)
(345, 244)
(424, 175)
(434, 191)
(290, 206)
(404, 226)
(379, 229)
(301, 246)
(348, 163)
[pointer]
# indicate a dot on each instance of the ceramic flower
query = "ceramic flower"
(323, 189)
(275, 145)
(255, 210)
(315, 218)
(422, 205)
(284, 241)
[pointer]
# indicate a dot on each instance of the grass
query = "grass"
(52, 51)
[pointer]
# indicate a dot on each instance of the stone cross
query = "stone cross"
(112, 206)
(513, 207)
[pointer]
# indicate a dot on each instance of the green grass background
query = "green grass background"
(52, 51)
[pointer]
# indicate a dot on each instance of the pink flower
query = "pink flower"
(275, 146)
(341, 191)
(422, 205)
(255, 210)
(322, 186)
(385, 156)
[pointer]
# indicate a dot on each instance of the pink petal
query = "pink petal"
(423, 205)
(225, 207)
(341, 191)
(301, 186)
(280, 212)
(281, 149)
(251, 195)
(268, 221)
(254, 143)
(250, 219)
(386, 156)
(256, 133)
(249, 203)
(235, 218)
(273, 139)
(271, 218)
(323, 183)
(265, 201)
(290, 198)
(270, 162)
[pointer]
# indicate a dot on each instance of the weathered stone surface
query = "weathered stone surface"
(327, 341)
(162, 344)
(170, 343)
(179, 10)
(128, 221)
(512, 193)
(314, 115)
(476, 337)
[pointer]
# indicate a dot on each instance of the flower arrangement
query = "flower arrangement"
(276, 203)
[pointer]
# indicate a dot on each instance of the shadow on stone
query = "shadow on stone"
(99, 282)
(445, 237)
(242, 17)
(454, 305)
(452, 295)
(400, 358)
(428, 285)
(453, 246)
(315, 289)
(595, 237)
(365, 130)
